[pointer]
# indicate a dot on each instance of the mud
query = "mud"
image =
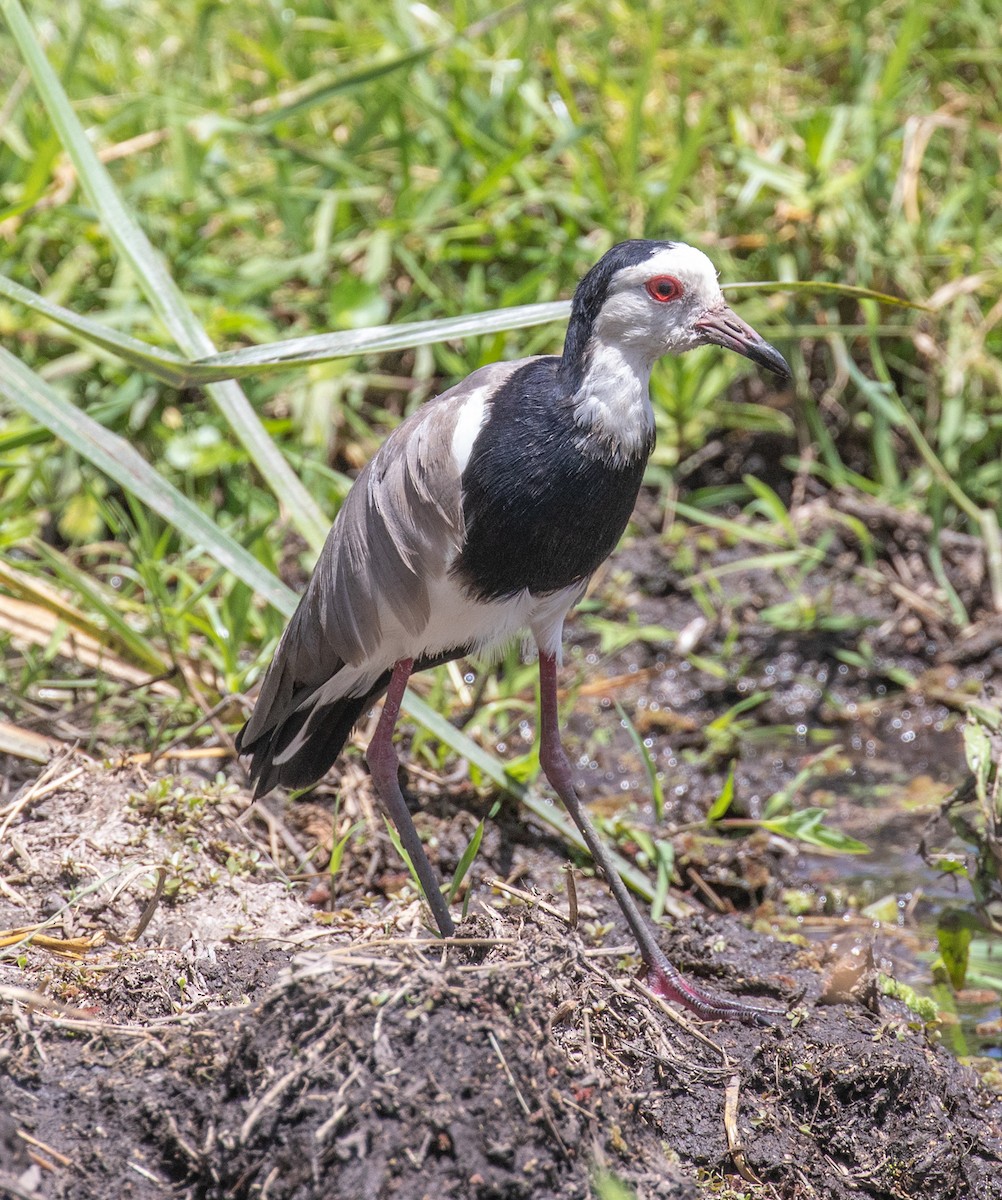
(248, 1045)
(186, 1011)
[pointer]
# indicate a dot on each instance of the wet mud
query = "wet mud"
(189, 1007)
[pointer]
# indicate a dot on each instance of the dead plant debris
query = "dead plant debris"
(246, 1046)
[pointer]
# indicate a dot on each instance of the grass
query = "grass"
(303, 169)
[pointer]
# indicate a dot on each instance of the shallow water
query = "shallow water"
(892, 762)
(888, 799)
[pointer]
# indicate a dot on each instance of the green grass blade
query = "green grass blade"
(269, 357)
(328, 85)
(321, 346)
(118, 459)
(338, 849)
(408, 862)
(723, 802)
(466, 861)
(771, 505)
(275, 356)
(739, 531)
(647, 759)
(991, 535)
(164, 364)
(158, 286)
(811, 286)
(759, 562)
(664, 853)
(889, 402)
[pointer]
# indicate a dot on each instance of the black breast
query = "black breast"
(542, 507)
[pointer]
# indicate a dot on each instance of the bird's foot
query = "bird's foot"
(668, 982)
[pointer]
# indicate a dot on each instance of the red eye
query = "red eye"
(663, 288)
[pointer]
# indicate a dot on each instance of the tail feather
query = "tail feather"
(303, 748)
(296, 747)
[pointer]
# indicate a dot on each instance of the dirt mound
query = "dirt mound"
(229, 1041)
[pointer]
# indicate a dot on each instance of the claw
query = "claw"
(668, 982)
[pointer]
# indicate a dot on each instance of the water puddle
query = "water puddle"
(880, 775)
(893, 895)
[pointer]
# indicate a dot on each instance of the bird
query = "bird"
(481, 517)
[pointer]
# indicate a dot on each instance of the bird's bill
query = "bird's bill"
(723, 327)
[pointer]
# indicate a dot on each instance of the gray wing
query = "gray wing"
(400, 525)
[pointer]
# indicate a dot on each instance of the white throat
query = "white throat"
(613, 401)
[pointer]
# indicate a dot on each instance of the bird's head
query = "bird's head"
(656, 298)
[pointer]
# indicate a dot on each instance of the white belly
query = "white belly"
(456, 621)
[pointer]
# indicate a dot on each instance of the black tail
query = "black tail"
(307, 743)
(301, 747)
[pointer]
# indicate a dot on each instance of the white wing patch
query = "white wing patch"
(469, 423)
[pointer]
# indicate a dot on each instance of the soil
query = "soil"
(188, 1012)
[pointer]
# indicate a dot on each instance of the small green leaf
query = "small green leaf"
(805, 826)
(725, 720)
(978, 751)
(949, 865)
(723, 802)
(80, 520)
(355, 304)
(616, 635)
(650, 766)
(337, 853)
(524, 767)
(610, 1187)
(464, 864)
(954, 933)
(885, 909)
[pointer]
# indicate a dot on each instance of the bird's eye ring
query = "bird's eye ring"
(663, 288)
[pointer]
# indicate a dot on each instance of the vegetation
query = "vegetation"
(310, 167)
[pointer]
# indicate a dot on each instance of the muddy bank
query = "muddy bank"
(248, 1045)
(191, 1006)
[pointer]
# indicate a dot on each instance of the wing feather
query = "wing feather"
(400, 526)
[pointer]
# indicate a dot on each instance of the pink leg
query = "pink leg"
(662, 978)
(382, 760)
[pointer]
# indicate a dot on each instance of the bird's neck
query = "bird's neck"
(610, 400)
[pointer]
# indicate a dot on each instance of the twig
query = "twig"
(60, 1158)
(528, 898)
(572, 896)
(708, 891)
(731, 1098)
(140, 927)
(507, 1070)
(38, 788)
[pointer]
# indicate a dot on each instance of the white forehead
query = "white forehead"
(690, 267)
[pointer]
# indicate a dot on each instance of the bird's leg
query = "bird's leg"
(382, 759)
(663, 978)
